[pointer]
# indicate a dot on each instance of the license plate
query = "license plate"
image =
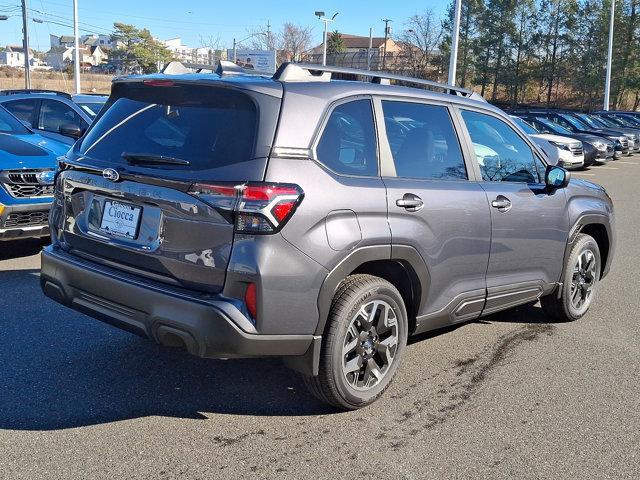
(120, 219)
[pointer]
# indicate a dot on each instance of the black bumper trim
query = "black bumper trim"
(206, 328)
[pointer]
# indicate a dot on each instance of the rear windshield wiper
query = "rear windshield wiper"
(151, 159)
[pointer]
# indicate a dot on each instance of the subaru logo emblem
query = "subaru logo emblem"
(46, 177)
(111, 174)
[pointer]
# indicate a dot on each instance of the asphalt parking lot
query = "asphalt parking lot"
(510, 396)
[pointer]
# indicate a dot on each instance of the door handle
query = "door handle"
(502, 203)
(410, 202)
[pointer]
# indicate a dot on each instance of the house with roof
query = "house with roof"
(398, 55)
(13, 56)
(60, 57)
(357, 44)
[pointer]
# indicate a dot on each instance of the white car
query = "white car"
(570, 151)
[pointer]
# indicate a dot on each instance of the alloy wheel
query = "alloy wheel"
(370, 345)
(583, 280)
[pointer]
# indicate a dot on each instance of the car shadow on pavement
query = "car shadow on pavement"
(60, 369)
(21, 248)
(529, 313)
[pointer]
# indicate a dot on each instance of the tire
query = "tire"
(579, 283)
(357, 363)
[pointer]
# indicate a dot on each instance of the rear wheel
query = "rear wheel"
(363, 344)
(582, 273)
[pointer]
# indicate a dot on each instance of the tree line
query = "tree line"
(513, 52)
(544, 52)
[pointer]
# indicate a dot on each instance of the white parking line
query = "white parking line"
(585, 174)
(628, 163)
(608, 168)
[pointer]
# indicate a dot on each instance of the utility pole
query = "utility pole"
(25, 45)
(268, 35)
(386, 37)
(369, 49)
(453, 59)
(607, 84)
(235, 50)
(76, 45)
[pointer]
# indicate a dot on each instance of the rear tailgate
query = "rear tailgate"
(124, 193)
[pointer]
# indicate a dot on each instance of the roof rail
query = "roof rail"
(19, 91)
(224, 67)
(300, 72)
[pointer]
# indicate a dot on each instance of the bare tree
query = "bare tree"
(420, 40)
(214, 43)
(262, 40)
(294, 40)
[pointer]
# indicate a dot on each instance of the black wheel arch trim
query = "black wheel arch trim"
(360, 256)
(578, 227)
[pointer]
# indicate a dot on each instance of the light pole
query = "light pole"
(235, 44)
(607, 83)
(387, 31)
(453, 59)
(25, 45)
(326, 21)
(76, 45)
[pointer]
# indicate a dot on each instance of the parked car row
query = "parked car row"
(604, 135)
(36, 127)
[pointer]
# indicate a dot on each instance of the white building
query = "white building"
(13, 56)
(184, 53)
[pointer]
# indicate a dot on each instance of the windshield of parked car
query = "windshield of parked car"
(610, 122)
(592, 122)
(10, 124)
(526, 128)
(553, 127)
(91, 108)
(577, 123)
(631, 121)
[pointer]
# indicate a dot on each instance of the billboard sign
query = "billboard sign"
(260, 60)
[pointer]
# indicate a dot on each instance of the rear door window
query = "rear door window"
(55, 114)
(348, 142)
(423, 141)
(23, 110)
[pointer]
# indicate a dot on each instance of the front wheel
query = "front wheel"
(363, 344)
(582, 273)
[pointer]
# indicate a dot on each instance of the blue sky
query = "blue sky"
(194, 19)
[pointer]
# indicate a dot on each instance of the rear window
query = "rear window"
(205, 127)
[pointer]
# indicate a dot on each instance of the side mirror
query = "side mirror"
(70, 130)
(556, 177)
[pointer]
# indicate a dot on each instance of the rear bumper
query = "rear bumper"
(210, 327)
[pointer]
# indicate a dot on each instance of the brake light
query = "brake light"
(258, 208)
(251, 300)
(158, 83)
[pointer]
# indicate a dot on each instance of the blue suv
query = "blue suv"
(27, 167)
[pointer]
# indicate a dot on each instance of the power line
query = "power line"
(164, 20)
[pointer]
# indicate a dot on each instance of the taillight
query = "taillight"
(258, 208)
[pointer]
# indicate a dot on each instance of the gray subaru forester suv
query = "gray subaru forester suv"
(315, 219)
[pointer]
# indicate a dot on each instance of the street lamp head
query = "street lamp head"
(334, 16)
(319, 14)
(4, 17)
